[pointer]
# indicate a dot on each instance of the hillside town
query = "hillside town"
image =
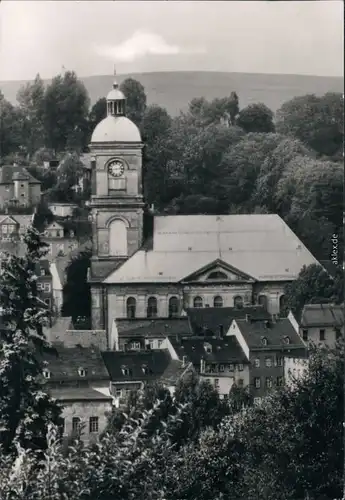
(171, 297)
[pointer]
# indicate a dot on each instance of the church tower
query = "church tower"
(117, 204)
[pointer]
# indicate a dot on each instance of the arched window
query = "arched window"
(238, 302)
(173, 307)
(217, 275)
(262, 301)
(152, 307)
(282, 303)
(118, 238)
(131, 307)
(218, 301)
(197, 302)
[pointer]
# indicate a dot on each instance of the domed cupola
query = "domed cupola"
(116, 127)
(116, 101)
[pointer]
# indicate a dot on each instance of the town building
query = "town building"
(78, 379)
(44, 283)
(186, 261)
(267, 344)
(321, 324)
(62, 209)
(61, 239)
(12, 228)
(18, 188)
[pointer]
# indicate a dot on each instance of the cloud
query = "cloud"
(141, 44)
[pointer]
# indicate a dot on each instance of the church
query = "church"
(181, 261)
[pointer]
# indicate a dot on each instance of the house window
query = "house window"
(76, 425)
(268, 362)
(151, 344)
(280, 381)
(93, 424)
(218, 301)
(131, 307)
(305, 334)
(46, 373)
(269, 382)
(198, 302)
(240, 382)
(118, 393)
(262, 301)
(217, 275)
(240, 367)
(257, 382)
(136, 346)
(152, 307)
(160, 342)
(238, 302)
(257, 362)
(221, 368)
(82, 372)
(173, 307)
(216, 383)
(43, 272)
(282, 303)
(125, 371)
(322, 334)
(231, 367)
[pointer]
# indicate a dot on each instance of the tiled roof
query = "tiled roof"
(322, 315)
(57, 331)
(65, 363)
(207, 320)
(275, 333)
(223, 350)
(78, 394)
(156, 362)
(24, 221)
(174, 372)
(7, 173)
(153, 327)
(260, 245)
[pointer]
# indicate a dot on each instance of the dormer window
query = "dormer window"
(136, 346)
(82, 372)
(46, 374)
(208, 348)
(145, 370)
(287, 340)
(125, 371)
(264, 341)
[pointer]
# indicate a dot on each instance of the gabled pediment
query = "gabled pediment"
(216, 272)
(8, 220)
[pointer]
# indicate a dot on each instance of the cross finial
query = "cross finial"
(115, 84)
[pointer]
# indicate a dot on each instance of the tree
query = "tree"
(313, 286)
(135, 95)
(66, 104)
(76, 291)
(98, 111)
(25, 410)
(68, 174)
(294, 442)
(256, 118)
(31, 102)
(316, 121)
(155, 123)
(10, 126)
(219, 111)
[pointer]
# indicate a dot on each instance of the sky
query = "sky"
(90, 37)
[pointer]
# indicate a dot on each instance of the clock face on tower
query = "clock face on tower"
(116, 168)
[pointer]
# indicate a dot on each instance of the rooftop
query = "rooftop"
(322, 315)
(78, 394)
(274, 332)
(153, 327)
(261, 246)
(8, 173)
(136, 366)
(219, 350)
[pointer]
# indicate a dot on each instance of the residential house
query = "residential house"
(78, 379)
(321, 324)
(62, 209)
(144, 334)
(266, 345)
(12, 228)
(18, 188)
(60, 238)
(219, 360)
(44, 283)
(131, 370)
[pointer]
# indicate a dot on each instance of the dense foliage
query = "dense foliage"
(25, 409)
(290, 447)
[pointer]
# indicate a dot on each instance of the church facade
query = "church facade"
(189, 260)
